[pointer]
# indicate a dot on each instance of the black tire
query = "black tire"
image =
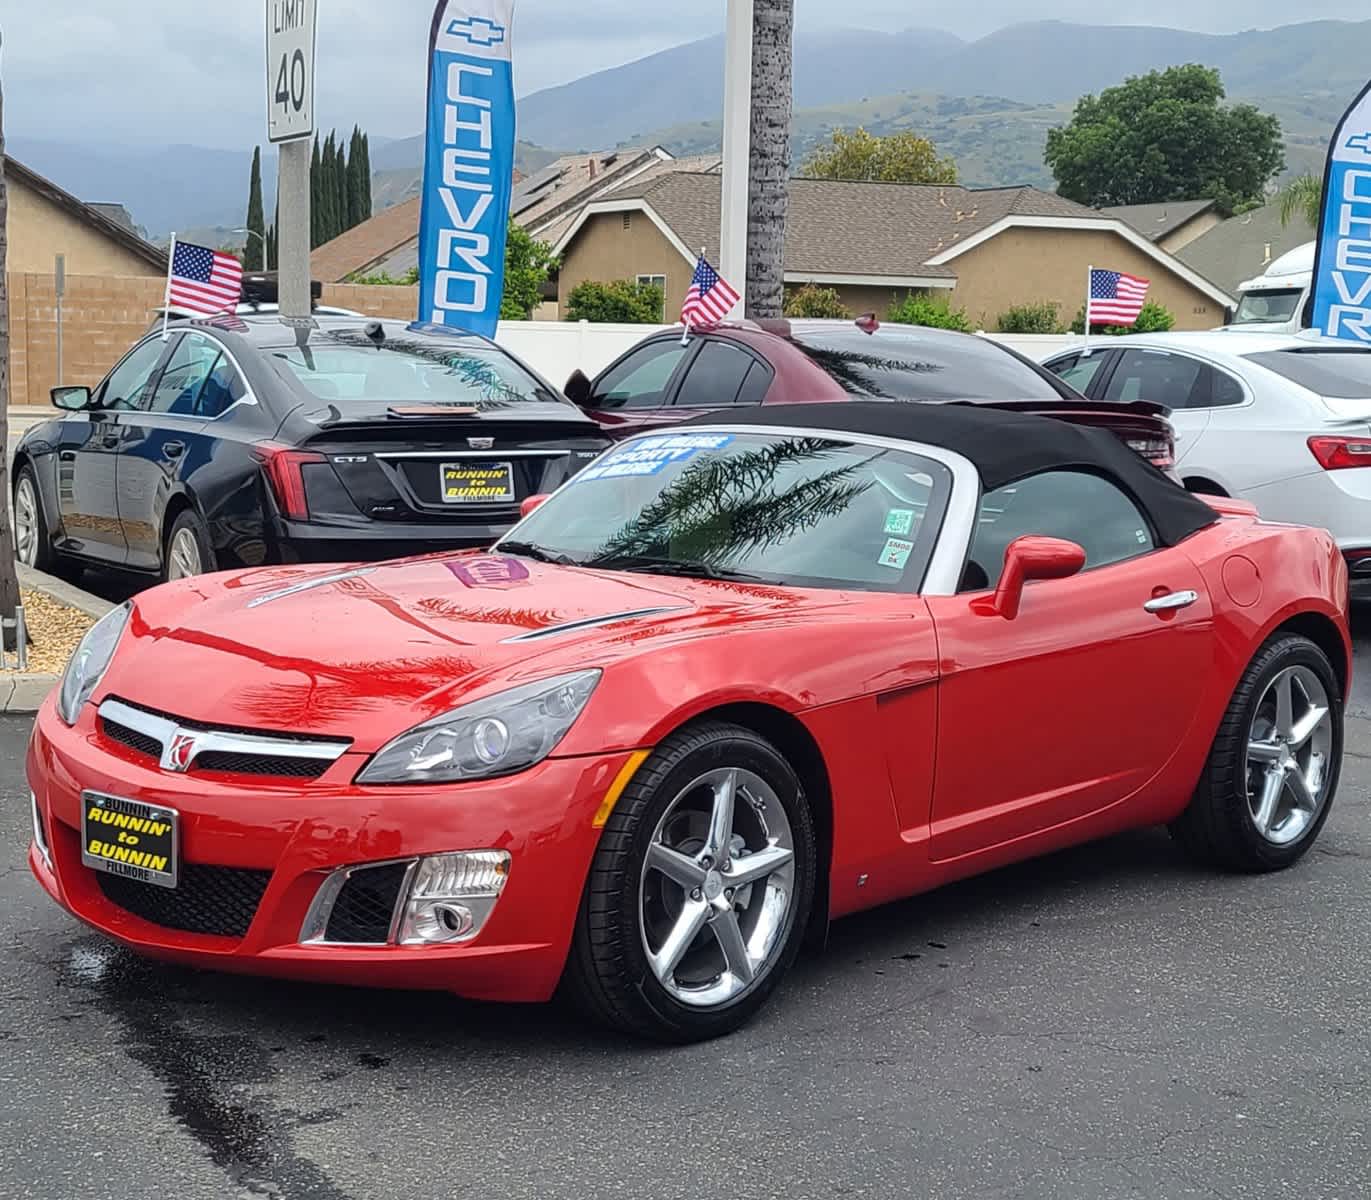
(45, 558)
(188, 522)
(1217, 828)
(608, 973)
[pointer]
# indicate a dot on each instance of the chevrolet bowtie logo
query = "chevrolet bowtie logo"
(1361, 141)
(478, 31)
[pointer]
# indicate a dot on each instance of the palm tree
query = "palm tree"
(773, 28)
(1302, 196)
(9, 581)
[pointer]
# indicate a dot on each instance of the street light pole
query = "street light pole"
(737, 143)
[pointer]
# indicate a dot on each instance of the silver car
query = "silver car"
(1281, 420)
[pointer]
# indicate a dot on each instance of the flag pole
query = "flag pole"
(166, 296)
(1089, 282)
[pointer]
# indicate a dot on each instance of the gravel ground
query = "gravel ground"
(54, 632)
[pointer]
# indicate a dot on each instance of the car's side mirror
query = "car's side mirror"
(71, 399)
(1029, 558)
(529, 503)
(577, 389)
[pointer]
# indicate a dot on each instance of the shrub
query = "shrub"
(1154, 318)
(916, 309)
(817, 302)
(1037, 317)
(621, 301)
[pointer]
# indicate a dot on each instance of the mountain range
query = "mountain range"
(988, 103)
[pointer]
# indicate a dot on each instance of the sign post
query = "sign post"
(291, 28)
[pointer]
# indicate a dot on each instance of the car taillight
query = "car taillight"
(1160, 451)
(1340, 453)
(284, 472)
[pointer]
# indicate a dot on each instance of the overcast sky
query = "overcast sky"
(117, 71)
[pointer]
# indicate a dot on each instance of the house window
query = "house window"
(657, 281)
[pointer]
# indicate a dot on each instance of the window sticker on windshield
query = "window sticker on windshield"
(899, 520)
(650, 455)
(896, 553)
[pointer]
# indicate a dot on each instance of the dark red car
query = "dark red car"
(664, 380)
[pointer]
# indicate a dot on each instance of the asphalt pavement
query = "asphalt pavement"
(1108, 1022)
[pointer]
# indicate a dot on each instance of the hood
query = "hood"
(367, 652)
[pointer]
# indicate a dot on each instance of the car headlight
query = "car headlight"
(92, 658)
(495, 736)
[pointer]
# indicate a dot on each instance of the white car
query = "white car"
(1278, 419)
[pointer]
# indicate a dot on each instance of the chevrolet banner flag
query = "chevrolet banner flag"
(1340, 301)
(468, 165)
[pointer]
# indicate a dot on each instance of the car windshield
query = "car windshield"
(897, 365)
(1334, 373)
(1268, 307)
(754, 507)
(342, 366)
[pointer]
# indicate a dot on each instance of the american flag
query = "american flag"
(709, 300)
(204, 281)
(1115, 298)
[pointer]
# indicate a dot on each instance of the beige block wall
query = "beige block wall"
(39, 230)
(604, 251)
(1021, 266)
(396, 303)
(101, 317)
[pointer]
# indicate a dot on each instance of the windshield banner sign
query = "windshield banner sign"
(1341, 297)
(468, 165)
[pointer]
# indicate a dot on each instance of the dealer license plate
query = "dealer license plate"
(477, 483)
(129, 838)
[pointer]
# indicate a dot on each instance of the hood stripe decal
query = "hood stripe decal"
(591, 623)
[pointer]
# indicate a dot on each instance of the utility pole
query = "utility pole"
(737, 143)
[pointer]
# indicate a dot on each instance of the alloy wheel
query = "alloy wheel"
(184, 560)
(1288, 750)
(717, 888)
(26, 522)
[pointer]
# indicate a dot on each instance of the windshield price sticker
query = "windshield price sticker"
(650, 455)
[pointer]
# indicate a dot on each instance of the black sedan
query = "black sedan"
(241, 441)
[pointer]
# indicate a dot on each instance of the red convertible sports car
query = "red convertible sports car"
(731, 682)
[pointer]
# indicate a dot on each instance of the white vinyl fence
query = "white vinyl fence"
(556, 349)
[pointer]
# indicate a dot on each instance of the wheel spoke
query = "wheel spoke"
(685, 931)
(721, 817)
(756, 867)
(1264, 752)
(730, 938)
(1299, 791)
(675, 866)
(1307, 725)
(1285, 704)
(1272, 786)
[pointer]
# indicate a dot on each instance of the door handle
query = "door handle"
(1171, 602)
(173, 449)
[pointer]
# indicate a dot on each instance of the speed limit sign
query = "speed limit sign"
(290, 69)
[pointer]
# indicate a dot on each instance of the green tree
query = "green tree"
(1154, 318)
(340, 189)
(1302, 197)
(366, 178)
(254, 250)
(357, 182)
(528, 264)
(1037, 317)
(1166, 136)
(937, 312)
(621, 301)
(903, 157)
(815, 302)
(328, 194)
(316, 203)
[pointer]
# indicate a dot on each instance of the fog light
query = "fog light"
(40, 837)
(452, 895)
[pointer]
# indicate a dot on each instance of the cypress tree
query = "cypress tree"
(366, 178)
(257, 221)
(314, 197)
(340, 188)
(328, 194)
(355, 214)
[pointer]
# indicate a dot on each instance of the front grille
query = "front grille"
(141, 742)
(365, 908)
(216, 900)
(261, 764)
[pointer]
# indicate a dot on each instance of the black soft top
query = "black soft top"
(1004, 447)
